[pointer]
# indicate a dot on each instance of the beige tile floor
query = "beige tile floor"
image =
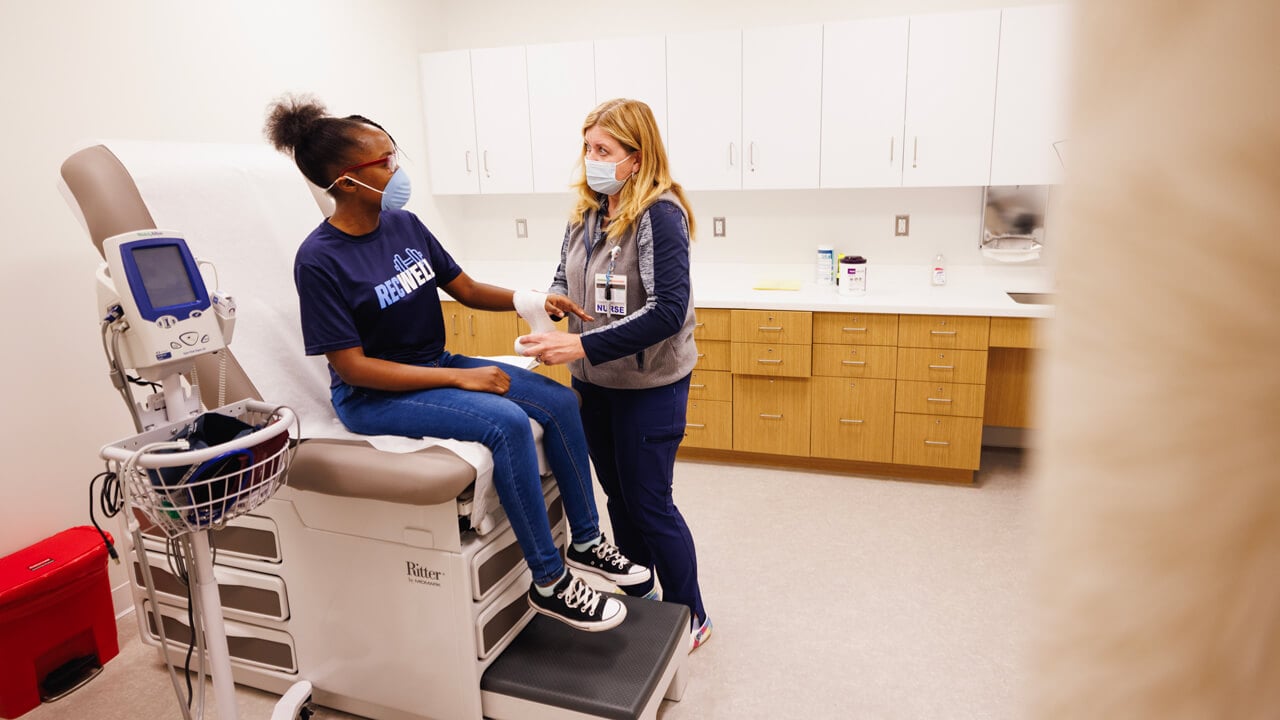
(832, 597)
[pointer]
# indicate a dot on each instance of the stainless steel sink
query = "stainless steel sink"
(1032, 298)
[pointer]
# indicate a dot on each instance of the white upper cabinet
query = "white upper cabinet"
(951, 84)
(561, 93)
(704, 109)
(781, 106)
(633, 68)
(1031, 95)
(451, 128)
(500, 87)
(864, 88)
(476, 105)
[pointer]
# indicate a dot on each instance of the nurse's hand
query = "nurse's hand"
(484, 379)
(553, 348)
(558, 305)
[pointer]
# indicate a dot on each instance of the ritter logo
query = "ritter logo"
(422, 574)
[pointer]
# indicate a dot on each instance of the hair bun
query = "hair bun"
(291, 118)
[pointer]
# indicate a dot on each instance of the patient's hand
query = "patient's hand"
(485, 379)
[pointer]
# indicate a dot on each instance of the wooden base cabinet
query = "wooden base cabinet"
(852, 419)
(771, 415)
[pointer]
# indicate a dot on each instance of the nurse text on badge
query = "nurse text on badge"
(611, 294)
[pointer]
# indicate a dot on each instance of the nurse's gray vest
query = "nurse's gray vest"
(660, 364)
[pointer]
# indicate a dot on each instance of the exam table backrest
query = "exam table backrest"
(110, 204)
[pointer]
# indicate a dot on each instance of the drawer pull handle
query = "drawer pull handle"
(768, 416)
(941, 400)
(694, 425)
(848, 421)
(701, 355)
(696, 385)
(771, 328)
(942, 332)
(942, 367)
(853, 362)
(854, 329)
(937, 442)
(698, 325)
(762, 361)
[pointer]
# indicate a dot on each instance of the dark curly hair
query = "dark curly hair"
(320, 144)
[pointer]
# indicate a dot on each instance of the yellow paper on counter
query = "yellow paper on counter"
(776, 284)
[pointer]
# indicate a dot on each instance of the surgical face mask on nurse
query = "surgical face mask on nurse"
(603, 176)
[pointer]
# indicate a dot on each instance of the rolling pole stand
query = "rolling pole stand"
(189, 492)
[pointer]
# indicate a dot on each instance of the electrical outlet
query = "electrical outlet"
(901, 225)
(717, 227)
(522, 228)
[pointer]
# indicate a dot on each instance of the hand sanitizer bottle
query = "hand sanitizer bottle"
(939, 276)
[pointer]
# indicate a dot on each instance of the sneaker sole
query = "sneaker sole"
(619, 580)
(599, 626)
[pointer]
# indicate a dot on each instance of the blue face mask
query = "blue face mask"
(603, 176)
(395, 195)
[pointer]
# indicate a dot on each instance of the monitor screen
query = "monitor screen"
(164, 275)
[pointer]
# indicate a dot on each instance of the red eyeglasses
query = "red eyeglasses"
(390, 160)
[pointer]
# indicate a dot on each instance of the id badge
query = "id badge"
(611, 295)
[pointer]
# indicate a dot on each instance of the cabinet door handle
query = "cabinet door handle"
(942, 367)
(915, 149)
(939, 443)
(731, 161)
(938, 400)
(467, 158)
(471, 323)
(891, 139)
(485, 156)
(694, 425)
(942, 332)
(770, 328)
(695, 386)
(762, 361)
(768, 416)
(848, 421)
(853, 329)
(751, 155)
(853, 362)
(701, 355)
(453, 319)
(698, 325)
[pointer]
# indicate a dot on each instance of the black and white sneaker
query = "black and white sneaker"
(576, 604)
(605, 560)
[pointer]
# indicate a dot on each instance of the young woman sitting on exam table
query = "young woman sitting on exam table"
(384, 338)
(626, 256)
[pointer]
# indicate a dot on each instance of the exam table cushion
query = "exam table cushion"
(351, 469)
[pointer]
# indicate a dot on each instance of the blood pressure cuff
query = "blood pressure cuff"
(211, 487)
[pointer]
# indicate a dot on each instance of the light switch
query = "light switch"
(717, 227)
(522, 228)
(901, 225)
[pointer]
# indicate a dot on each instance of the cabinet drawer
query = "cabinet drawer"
(943, 331)
(710, 385)
(771, 415)
(870, 361)
(775, 360)
(1015, 332)
(937, 441)
(914, 396)
(709, 424)
(711, 324)
(772, 326)
(859, 328)
(852, 419)
(964, 366)
(713, 355)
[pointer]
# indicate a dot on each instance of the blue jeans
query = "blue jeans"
(501, 423)
(633, 436)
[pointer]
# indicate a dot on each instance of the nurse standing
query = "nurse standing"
(625, 259)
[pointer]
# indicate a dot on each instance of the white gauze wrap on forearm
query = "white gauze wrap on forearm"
(532, 306)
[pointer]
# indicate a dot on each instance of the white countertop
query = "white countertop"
(970, 289)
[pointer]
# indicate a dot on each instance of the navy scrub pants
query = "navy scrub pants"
(632, 436)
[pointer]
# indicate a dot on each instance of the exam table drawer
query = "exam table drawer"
(248, 536)
(246, 595)
(247, 644)
(501, 558)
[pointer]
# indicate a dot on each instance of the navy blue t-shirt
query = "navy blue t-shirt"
(374, 291)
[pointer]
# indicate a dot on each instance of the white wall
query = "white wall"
(145, 69)
(775, 227)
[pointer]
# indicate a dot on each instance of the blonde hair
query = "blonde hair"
(632, 124)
